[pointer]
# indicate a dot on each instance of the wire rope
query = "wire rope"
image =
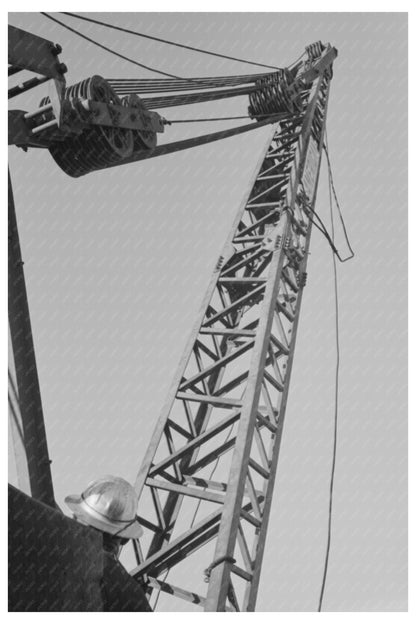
(176, 146)
(332, 186)
(155, 85)
(173, 121)
(167, 41)
(192, 98)
(332, 192)
(321, 226)
(107, 49)
(335, 434)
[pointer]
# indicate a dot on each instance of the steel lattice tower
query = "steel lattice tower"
(206, 482)
(216, 444)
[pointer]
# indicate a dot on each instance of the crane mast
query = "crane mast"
(206, 482)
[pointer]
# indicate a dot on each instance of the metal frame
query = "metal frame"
(39, 128)
(28, 427)
(28, 51)
(58, 118)
(226, 407)
(36, 54)
(218, 437)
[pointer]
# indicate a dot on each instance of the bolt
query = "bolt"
(56, 49)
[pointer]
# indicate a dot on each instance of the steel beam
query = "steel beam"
(225, 410)
(16, 430)
(252, 588)
(115, 115)
(239, 473)
(28, 51)
(28, 397)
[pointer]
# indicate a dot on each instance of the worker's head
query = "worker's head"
(108, 504)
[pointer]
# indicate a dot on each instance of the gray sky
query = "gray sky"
(117, 263)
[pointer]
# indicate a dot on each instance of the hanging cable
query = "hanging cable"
(103, 47)
(321, 226)
(334, 448)
(167, 41)
(332, 187)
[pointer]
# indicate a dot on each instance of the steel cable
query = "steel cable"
(321, 226)
(173, 121)
(205, 96)
(176, 146)
(332, 186)
(335, 434)
(103, 47)
(155, 85)
(193, 98)
(167, 41)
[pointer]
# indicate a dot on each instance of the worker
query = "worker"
(109, 505)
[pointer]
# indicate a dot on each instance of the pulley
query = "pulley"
(141, 138)
(96, 142)
(314, 50)
(276, 93)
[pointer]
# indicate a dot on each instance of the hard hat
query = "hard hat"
(110, 505)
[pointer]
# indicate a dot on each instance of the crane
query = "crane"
(206, 482)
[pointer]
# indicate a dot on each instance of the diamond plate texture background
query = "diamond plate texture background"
(117, 262)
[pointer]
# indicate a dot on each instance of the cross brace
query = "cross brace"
(225, 410)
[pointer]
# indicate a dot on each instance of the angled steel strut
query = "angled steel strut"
(207, 479)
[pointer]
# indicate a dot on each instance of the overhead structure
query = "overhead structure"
(207, 479)
(25, 405)
(99, 123)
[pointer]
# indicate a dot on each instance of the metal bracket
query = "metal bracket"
(273, 240)
(103, 114)
(318, 68)
(27, 51)
(30, 52)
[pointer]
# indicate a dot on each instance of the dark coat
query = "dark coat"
(120, 591)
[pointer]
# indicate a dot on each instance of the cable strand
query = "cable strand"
(332, 188)
(173, 121)
(335, 435)
(167, 41)
(103, 47)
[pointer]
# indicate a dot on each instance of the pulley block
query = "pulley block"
(97, 145)
(277, 93)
